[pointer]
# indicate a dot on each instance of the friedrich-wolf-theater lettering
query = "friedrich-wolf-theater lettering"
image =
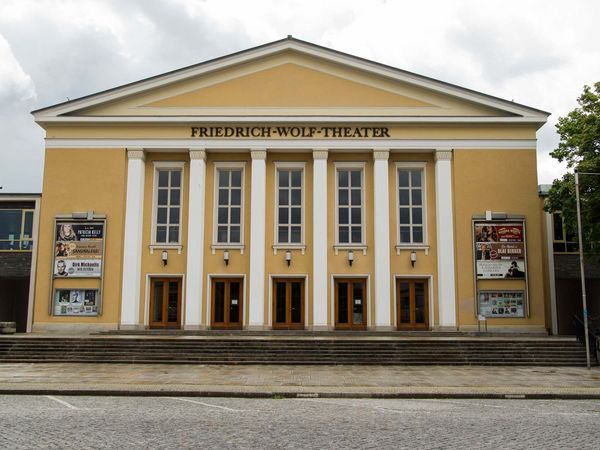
(290, 132)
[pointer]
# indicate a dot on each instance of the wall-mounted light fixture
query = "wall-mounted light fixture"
(226, 257)
(350, 257)
(288, 257)
(413, 258)
(165, 257)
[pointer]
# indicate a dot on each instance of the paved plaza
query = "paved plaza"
(68, 422)
(282, 380)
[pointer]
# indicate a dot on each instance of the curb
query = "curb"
(306, 395)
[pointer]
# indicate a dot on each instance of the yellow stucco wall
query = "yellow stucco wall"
(82, 180)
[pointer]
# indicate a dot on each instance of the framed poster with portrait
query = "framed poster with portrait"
(499, 250)
(78, 249)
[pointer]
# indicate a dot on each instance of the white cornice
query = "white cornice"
(298, 144)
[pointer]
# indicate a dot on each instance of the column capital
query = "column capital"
(136, 153)
(443, 154)
(197, 153)
(320, 153)
(258, 154)
(381, 154)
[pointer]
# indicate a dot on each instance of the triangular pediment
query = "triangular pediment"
(288, 78)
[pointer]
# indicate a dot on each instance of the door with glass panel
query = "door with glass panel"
(288, 303)
(165, 303)
(227, 303)
(350, 303)
(413, 304)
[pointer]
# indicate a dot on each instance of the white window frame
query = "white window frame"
(166, 165)
(412, 165)
(285, 165)
(241, 165)
(348, 165)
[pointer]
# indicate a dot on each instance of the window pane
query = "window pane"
(223, 197)
(219, 308)
(405, 215)
(283, 197)
(280, 298)
(405, 234)
(175, 197)
(343, 197)
(343, 216)
(355, 197)
(236, 178)
(234, 301)
(404, 302)
(403, 178)
(296, 216)
(296, 178)
(234, 235)
(417, 234)
(235, 216)
(558, 227)
(162, 196)
(296, 236)
(175, 178)
(161, 216)
(163, 178)
(344, 235)
(417, 216)
(223, 178)
(236, 197)
(342, 289)
(283, 216)
(296, 197)
(283, 235)
(174, 216)
(404, 196)
(416, 197)
(415, 178)
(173, 234)
(284, 178)
(161, 234)
(28, 227)
(356, 219)
(222, 216)
(355, 178)
(343, 178)
(221, 234)
(356, 235)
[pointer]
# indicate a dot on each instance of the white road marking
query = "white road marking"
(208, 404)
(363, 406)
(62, 402)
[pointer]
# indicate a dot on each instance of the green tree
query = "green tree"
(579, 146)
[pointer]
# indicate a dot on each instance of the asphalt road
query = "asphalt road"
(172, 422)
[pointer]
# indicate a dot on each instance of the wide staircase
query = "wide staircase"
(282, 349)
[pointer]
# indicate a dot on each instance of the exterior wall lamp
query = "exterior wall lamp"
(226, 257)
(350, 257)
(413, 258)
(288, 257)
(164, 257)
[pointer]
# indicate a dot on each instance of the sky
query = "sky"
(538, 53)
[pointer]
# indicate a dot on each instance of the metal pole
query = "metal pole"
(581, 266)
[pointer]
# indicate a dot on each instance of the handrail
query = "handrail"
(593, 334)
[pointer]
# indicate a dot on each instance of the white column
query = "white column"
(195, 240)
(132, 248)
(256, 302)
(382, 238)
(319, 240)
(445, 238)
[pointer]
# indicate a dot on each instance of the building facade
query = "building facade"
(290, 186)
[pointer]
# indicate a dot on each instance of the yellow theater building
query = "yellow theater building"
(290, 186)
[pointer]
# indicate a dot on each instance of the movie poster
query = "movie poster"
(499, 250)
(78, 249)
(76, 302)
(502, 303)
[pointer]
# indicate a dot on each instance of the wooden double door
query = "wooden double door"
(227, 303)
(165, 303)
(288, 303)
(350, 303)
(412, 311)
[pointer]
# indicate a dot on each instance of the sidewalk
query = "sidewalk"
(299, 381)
